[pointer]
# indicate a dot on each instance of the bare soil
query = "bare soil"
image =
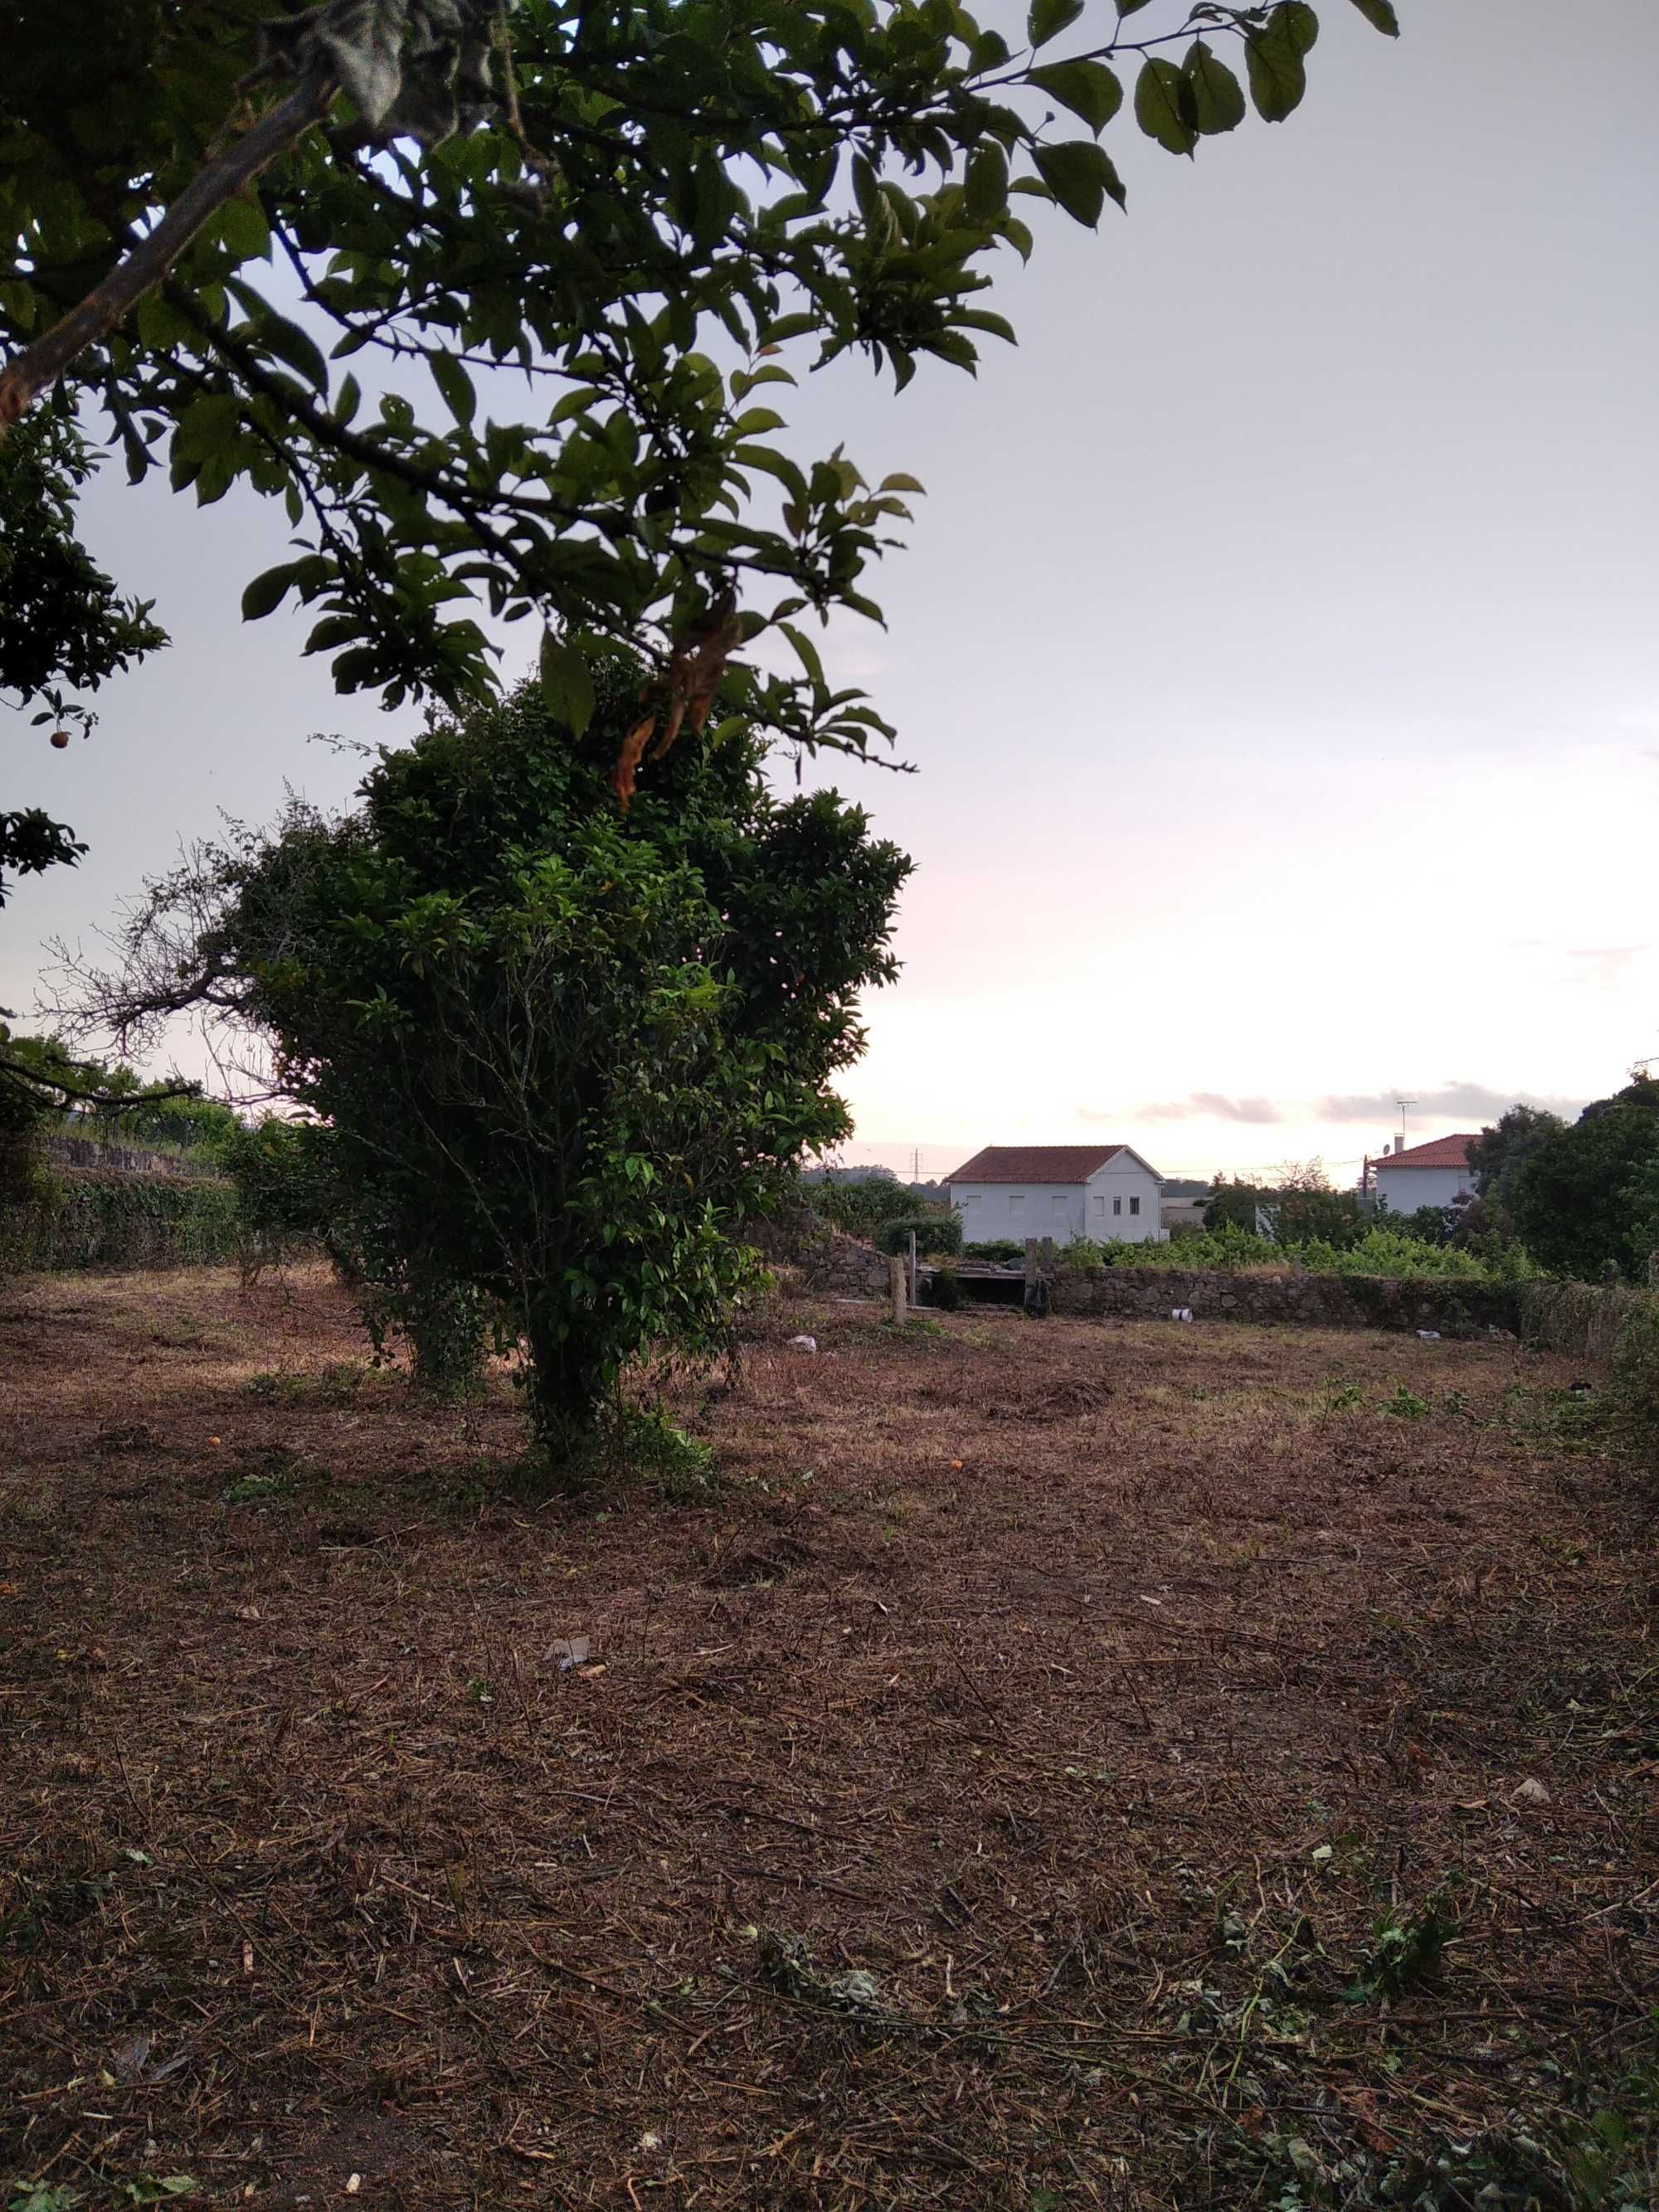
(1061, 1765)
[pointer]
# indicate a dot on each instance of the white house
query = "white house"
(1061, 1191)
(1411, 1176)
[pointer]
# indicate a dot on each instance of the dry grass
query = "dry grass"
(991, 1797)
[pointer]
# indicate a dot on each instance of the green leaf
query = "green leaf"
(1277, 79)
(900, 482)
(1295, 21)
(1088, 88)
(295, 346)
(242, 227)
(985, 191)
(1381, 15)
(807, 650)
(1079, 175)
(1217, 95)
(456, 386)
(266, 592)
(1164, 105)
(1048, 18)
(567, 684)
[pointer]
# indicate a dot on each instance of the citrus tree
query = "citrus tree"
(561, 1052)
(501, 299)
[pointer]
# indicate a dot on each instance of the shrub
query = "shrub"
(947, 1290)
(995, 1250)
(125, 1221)
(935, 1232)
(1635, 1380)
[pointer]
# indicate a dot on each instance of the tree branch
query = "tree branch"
(29, 374)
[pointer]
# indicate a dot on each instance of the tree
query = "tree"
(1583, 1201)
(1498, 1155)
(64, 625)
(562, 1053)
(640, 213)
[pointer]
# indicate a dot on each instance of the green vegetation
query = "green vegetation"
(933, 1232)
(1586, 1198)
(862, 1205)
(1379, 1251)
(122, 1221)
(554, 1053)
(596, 210)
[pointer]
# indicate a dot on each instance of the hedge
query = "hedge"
(122, 1221)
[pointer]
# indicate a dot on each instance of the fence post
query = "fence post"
(896, 1287)
(910, 1282)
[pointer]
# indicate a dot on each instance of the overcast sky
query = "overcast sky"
(1276, 644)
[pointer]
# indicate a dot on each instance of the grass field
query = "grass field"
(1061, 1765)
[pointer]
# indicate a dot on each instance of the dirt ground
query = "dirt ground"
(1061, 1765)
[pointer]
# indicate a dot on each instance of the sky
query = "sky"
(1275, 646)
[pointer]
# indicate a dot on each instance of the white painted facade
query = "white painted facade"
(1119, 1200)
(1403, 1189)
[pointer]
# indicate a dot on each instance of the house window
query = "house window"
(1100, 1207)
(1135, 1206)
(1016, 1201)
(1057, 1207)
(1117, 1205)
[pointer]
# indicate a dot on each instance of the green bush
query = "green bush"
(1381, 1251)
(935, 1232)
(1635, 1380)
(995, 1250)
(126, 1221)
(947, 1290)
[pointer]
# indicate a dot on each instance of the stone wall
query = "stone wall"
(1454, 1308)
(821, 1257)
(96, 1158)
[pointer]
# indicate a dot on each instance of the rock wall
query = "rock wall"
(820, 1257)
(1324, 1301)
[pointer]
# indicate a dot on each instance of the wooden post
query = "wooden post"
(895, 1285)
(911, 1278)
(1030, 1261)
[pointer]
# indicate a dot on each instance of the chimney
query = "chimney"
(1400, 1143)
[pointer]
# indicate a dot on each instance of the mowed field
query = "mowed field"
(1061, 1765)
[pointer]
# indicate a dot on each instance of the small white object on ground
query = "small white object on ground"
(1180, 1313)
(1429, 1335)
(354, 2184)
(803, 1344)
(1532, 1792)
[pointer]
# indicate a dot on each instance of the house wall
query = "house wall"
(1062, 1211)
(1407, 1188)
(1019, 1210)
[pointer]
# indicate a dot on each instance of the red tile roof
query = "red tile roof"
(1439, 1152)
(1037, 1162)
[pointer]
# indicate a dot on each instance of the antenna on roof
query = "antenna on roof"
(1402, 1104)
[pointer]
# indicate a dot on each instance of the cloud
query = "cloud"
(1471, 1102)
(1205, 1106)
(1605, 963)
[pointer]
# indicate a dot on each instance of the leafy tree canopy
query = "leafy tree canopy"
(64, 625)
(562, 1053)
(1498, 1155)
(500, 299)
(1584, 1201)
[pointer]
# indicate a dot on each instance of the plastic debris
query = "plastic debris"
(1180, 1313)
(1428, 1336)
(803, 1344)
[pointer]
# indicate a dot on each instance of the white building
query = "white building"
(1436, 1174)
(1062, 1191)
